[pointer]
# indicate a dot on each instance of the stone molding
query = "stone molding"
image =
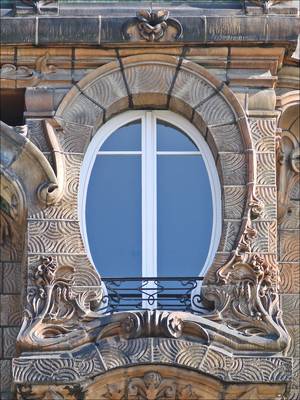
(95, 359)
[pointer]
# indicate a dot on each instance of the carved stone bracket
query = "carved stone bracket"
(152, 26)
(56, 308)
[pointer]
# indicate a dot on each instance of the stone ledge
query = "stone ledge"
(95, 30)
(93, 360)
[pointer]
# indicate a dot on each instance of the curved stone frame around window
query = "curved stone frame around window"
(168, 116)
(240, 287)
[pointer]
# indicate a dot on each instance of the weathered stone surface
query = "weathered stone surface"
(12, 278)
(290, 304)
(289, 277)
(234, 201)
(9, 341)
(289, 246)
(11, 310)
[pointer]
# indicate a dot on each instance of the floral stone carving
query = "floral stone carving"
(55, 307)
(152, 386)
(152, 26)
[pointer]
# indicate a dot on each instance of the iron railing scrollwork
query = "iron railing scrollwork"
(144, 293)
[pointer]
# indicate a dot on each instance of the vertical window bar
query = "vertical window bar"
(149, 235)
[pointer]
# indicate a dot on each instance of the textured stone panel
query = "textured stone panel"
(6, 376)
(234, 201)
(18, 30)
(107, 89)
(266, 240)
(227, 138)
(67, 206)
(64, 30)
(289, 246)
(291, 219)
(289, 278)
(267, 194)
(54, 236)
(9, 341)
(191, 88)
(216, 111)
(11, 310)
(74, 138)
(150, 78)
(290, 304)
(12, 276)
(229, 236)
(234, 168)
(36, 134)
(266, 171)
(263, 134)
(228, 28)
(294, 350)
(83, 111)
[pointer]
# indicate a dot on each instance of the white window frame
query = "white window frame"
(149, 195)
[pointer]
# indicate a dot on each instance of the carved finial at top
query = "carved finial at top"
(152, 26)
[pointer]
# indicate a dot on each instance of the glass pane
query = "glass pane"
(170, 138)
(184, 215)
(126, 138)
(113, 215)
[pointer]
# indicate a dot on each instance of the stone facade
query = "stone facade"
(231, 72)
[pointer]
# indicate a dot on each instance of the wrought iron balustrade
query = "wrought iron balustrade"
(163, 293)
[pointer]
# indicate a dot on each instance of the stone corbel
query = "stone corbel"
(26, 162)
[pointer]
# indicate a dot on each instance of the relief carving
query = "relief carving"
(246, 295)
(152, 26)
(55, 307)
(152, 386)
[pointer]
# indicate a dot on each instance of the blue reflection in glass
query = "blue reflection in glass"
(113, 215)
(184, 215)
(126, 138)
(170, 138)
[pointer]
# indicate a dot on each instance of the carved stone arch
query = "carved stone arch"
(166, 82)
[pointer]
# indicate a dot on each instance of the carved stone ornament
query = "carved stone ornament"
(152, 26)
(265, 4)
(152, 386)
(55, 307)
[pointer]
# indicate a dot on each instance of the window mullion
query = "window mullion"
(149, 235)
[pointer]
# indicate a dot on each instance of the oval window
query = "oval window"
(150, 198)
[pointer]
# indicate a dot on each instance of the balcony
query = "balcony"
(163, 293)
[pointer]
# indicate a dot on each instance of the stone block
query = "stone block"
(289, 278)
(238, 28)
(6, 376)
(191, 88)
(266, 239)
(230, 231)
(54, 236)
(227, 138)
(234, 202)
(12, 278)
(215, 111)
(17, 30)
(74, 138)
(9, 341)
(266, 169)
(290, 305)
(69, 30)
(289, 246)
(234, 168)
(267, 194)
(294, 350)
(263, 133)
(11, 310)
